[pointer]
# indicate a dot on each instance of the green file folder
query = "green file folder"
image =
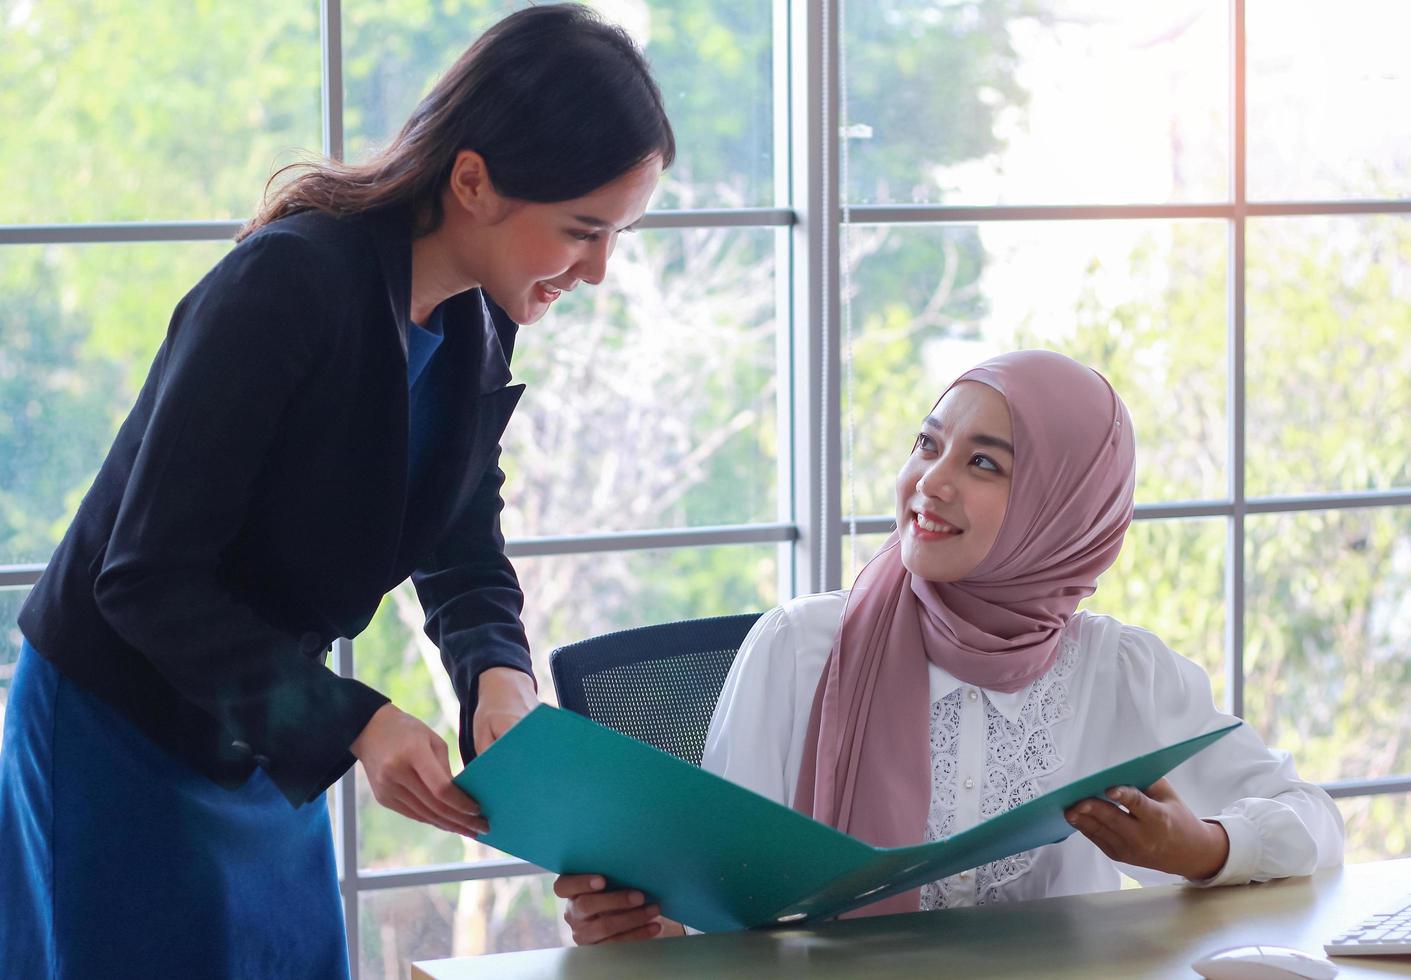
(573, 797)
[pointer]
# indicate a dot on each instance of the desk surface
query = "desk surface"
(1147, 932)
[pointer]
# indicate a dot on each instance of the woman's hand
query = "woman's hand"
(505, 696)
(596, 916)
(409, 771)
(1156, 830)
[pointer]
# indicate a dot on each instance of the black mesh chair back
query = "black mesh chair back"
(657, 684)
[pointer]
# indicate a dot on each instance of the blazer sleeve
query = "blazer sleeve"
(472, 599)
(239, 346)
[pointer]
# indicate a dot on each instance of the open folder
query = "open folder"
(571, 796)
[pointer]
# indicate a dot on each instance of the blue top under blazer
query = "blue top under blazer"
(255, 505)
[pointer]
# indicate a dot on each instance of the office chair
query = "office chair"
(657, 684)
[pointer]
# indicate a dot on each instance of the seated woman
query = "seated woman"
(956, 680)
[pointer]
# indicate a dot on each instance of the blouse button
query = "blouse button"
(969, 783)
(964, 876)
(973, 694)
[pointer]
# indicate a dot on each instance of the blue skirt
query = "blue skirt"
(118, 860)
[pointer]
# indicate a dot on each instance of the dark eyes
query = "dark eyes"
(593, 236)
(979, 460)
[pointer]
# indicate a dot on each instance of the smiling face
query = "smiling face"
(953, 489)
(525, 254)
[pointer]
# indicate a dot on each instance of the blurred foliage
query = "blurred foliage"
(1329, 375)
(928, 81)
(653, 400)
(159, 111)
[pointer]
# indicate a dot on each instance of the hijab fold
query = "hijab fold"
(866, 766)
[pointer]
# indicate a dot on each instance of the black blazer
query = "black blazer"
(255, 505)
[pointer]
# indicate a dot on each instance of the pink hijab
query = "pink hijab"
(866, 763)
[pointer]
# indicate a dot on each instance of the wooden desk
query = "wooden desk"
(1148, 932)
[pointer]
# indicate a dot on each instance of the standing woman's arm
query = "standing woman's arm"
(473, 601)
(238, 349)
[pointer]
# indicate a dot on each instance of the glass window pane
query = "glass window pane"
(1328, 365)
(79, 325)
(10, 639)
(1170, 579)
(392, 55)
(1326, 99)
(1378, 827)
(567, 598)
(724, 129)
(1328, 639)
(1071, 101)
(651, 400)
(1143, 302)
(714, 62)
(141, 112)
(397, 926)
(857, 553)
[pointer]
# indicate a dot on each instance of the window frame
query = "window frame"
(810, 221)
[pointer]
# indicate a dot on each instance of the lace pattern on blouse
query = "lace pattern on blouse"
(1017, 754)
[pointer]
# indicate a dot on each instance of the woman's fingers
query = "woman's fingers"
(632, 923)
(597, 916)
(571, 886)
(459, 821)
(408, 806)
(1160, 791)
(506, 695)
(409, 770)
(596, 904)
(438, 778)
(1104, 840)
(1100, 823)
(416, 806)
(452, 796)
(423, 791)
(429, 779)
(1152, 829)
(448, 802)
(1141, 806)
(432, 768)
(649, 931)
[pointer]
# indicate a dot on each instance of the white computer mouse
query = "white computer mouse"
(1263, 963)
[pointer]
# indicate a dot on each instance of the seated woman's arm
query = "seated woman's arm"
(751, 742)
(1277, 824)
(598, 916)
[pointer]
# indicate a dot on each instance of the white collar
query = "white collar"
(1009, 705)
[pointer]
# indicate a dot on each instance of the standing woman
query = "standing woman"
(321, 421)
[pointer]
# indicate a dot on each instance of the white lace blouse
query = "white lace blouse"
(1114, 692)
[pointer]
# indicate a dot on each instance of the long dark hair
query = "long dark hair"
(556, 100)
